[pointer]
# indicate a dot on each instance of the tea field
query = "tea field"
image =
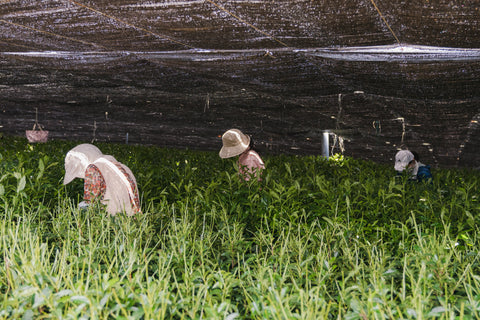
(316, 239)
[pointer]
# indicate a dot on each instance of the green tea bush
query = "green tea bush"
(316, 239)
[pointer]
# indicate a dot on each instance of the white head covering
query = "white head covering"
(402, 159)
(234, 143)
(119, 191)
(78, 159)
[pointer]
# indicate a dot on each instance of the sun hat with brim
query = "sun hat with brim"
(78, 159)
(402, 159)
(234, 143)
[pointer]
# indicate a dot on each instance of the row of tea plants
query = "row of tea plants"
(316, 239)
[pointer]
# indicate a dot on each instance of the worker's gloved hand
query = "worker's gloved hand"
(83, 205)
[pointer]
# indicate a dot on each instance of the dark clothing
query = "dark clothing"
(423, 173)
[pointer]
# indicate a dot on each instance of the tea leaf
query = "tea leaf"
(21, 184)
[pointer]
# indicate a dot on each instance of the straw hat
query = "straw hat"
(234, 143)
(402, 159)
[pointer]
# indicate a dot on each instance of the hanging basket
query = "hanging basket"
(36, 135)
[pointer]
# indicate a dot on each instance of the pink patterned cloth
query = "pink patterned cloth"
(250, 165)
(95, 186)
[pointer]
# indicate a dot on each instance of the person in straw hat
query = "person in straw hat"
(105, 179)
(235, 143)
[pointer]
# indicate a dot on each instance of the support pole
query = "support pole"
(325, 143)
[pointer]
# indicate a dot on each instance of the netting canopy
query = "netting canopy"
(376, 76)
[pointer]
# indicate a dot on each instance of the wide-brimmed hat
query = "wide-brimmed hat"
(234, 143)
(402, 159)
(78, 159)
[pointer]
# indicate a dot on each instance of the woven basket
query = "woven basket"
(35, 136)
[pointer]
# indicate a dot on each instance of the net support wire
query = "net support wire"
(157, 35)
(268, 53)
(52, 34)
(385, 21)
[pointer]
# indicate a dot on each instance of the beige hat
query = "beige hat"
(402, 159)
(234, 143)
(78, 159)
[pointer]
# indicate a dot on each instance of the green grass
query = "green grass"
(317, 239)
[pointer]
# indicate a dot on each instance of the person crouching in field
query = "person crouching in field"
(410, 161)
(105, 179)
(235, 143)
